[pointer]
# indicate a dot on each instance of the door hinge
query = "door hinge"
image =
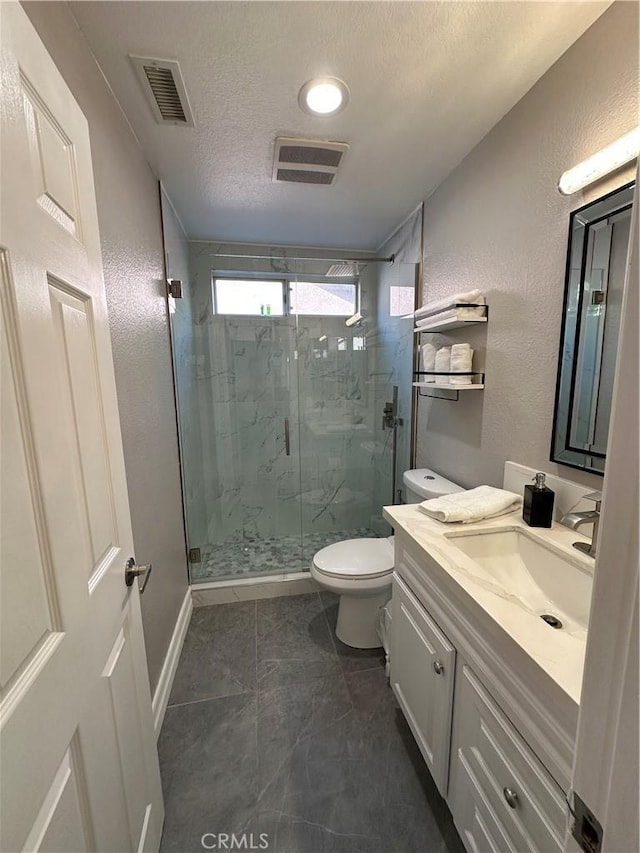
(586, 828)
(174, 288)
(194, 555)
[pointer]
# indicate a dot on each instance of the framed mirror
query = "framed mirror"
(596, 264)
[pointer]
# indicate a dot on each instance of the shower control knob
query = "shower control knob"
(438, 667)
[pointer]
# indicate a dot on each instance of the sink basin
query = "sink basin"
(524, 568)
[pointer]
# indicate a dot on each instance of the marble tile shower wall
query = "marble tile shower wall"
(249, 380)
(336, 424)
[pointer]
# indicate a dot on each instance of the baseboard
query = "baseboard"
(165, 682)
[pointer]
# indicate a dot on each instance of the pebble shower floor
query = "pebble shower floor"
(255, 557)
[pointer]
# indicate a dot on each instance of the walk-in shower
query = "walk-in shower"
(285, 445)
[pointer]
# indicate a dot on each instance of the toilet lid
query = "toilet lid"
(363, 558)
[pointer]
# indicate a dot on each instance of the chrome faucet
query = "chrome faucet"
(574, 520)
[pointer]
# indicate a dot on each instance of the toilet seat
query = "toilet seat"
(356, 559)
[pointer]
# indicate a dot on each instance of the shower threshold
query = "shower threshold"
(256, 558)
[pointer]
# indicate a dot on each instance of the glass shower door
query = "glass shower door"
(243, 508)
(336, 423)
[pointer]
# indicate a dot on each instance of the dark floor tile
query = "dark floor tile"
(351, 660)
(367, 732)
(294, 642)
(415, 811)
(413, 817)
(219, 653)
(321, 778)
(208, 763)
(318, 756)
(290, 719)
(288, 834)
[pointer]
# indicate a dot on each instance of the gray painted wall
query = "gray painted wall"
(499, 223)
(129, 217)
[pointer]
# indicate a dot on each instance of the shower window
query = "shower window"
(280, 297)
(251, 297)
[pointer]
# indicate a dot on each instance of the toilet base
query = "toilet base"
(357, 619)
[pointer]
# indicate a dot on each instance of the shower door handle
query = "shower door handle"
(287, 442)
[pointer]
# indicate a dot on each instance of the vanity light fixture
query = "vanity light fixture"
(612, 157)
(323, 96)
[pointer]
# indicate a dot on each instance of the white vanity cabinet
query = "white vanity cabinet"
(501, 797)
(466, 704)
(422, 677)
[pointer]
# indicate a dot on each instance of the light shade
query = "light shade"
(323, 96)
(612, 157)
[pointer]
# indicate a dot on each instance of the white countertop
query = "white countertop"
(558, 653)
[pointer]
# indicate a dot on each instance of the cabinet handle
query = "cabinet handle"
(438, 667)
(511, 797)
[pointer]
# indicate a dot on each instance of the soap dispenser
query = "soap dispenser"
(537, 510)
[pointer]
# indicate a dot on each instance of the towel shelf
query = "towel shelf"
(448, 390)
(448, 323)
(441, 384)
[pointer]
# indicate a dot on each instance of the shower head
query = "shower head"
(350, 267)
(354, 321)
(342, 270)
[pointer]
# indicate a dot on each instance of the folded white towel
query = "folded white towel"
(461, 361)
(427, 361)
(473, 296)
(473, 505)
(452, 314)
(443, 363)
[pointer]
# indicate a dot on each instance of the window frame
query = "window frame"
(215, 276)
(286, 280)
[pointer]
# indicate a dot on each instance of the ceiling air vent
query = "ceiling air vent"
(162, 82)
(307, 161)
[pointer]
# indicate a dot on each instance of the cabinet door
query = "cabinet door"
(422, 677)
(501, 796)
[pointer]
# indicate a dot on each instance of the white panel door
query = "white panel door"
(78, 759)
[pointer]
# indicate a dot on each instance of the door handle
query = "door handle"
(287, 441)
(133, 571)
(511, 797)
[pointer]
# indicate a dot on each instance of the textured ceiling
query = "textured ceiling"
(428, 80)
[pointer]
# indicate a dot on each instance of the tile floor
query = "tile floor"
(267, 555)
(275, 726)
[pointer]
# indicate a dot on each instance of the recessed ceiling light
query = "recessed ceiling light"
(323, 96)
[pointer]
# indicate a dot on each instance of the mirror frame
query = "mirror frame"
(561, 451)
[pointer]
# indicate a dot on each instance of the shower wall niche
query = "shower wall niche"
(283, 450)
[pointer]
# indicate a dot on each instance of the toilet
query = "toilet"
(360, 570)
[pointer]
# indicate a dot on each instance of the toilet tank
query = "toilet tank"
(420, 484)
